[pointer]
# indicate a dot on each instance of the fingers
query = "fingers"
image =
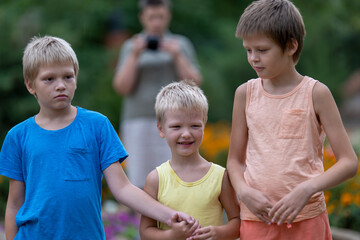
(202, 233)
(280, 214)
(263, 215)
(175, 218)
(264, 218)
(184, 217)
(194, 226)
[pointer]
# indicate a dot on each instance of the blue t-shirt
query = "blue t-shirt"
(62, 172)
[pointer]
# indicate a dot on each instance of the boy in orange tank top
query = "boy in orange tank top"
(278, 130)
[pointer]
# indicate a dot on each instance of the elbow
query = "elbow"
(230, 164)
(198, 79)
(119, 88)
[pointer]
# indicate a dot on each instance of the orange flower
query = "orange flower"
(327, 195)
(346, 198)
(330, 209)
(216, 140)
(357, 199)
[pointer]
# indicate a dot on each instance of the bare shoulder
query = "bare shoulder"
(241, 90)
(152, 184)
(153, 178)
(321, 96)
(320, 90)
(240, 95)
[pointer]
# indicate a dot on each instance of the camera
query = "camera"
(152, 42)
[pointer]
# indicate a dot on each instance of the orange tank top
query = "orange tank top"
(285, 143)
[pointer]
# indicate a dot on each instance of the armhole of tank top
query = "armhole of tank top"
(248, 93)
(160, 187)
(222, 174)
(311, 102)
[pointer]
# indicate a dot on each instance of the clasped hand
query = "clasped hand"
(286, 208)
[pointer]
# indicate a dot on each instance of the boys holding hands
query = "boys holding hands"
(188, 182)
(56, 159)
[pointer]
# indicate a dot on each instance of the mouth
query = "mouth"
(185, 143)
(258, 68)
(61, 96)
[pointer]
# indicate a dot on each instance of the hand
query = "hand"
(171, 46)
(180, 216)
(205, 233)
(183, 229)
(258, 203)
(139, 44)
(290, 205)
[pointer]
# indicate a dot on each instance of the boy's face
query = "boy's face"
(266, 57)
(183, 131)
(54, 86)
(155, 19)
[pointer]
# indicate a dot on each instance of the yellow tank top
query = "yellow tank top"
(199, 199)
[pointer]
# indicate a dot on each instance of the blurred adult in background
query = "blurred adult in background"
(151, 59)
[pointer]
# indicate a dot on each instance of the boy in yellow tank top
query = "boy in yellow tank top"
(188, 182)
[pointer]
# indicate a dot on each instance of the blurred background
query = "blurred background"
(97, 29)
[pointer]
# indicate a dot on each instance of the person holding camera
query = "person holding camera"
(148, 61)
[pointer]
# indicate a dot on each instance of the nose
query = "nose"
(253, 56)
(186, 133)
(60, 85)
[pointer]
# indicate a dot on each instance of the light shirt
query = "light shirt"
(285, 142)
(199, 199)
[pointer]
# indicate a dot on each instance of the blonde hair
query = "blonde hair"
(183, 95)
(45, 50)
(278, 19)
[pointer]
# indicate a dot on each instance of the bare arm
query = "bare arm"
(231, 230)
(136, 199)
(125, 78)
(15, 201)
(148, 226)
(257, 202)
(345, 167)
(347, 162)
(184, 67)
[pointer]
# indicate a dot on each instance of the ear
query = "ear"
(29, 85)
(159, 127)
(292, 46)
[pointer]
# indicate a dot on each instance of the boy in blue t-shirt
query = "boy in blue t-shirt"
(56, 159)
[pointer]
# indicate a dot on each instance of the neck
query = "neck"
(282, 84)
(188, 161)
(55, 120)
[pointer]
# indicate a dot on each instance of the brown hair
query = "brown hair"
(278, 19)
(153, 3)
